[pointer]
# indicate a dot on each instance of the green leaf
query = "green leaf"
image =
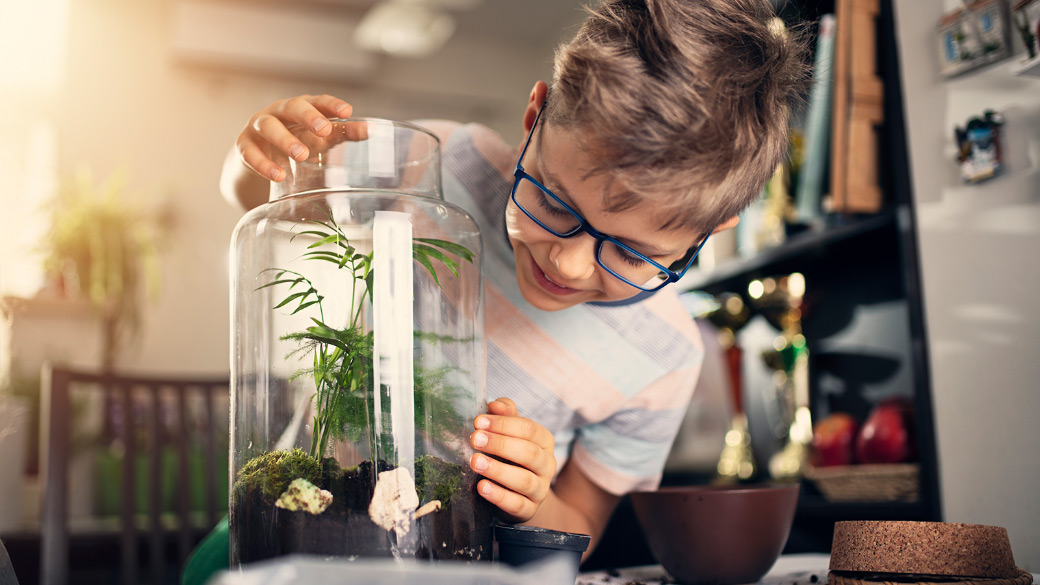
(309, 233)
(342, 241)
(307, 304)
(293, 297)
(334, 238)
(282, 281)
(451, 247)
(428, 251)
(429, 266)
(320, 335)
(324, 255)
(330, 225)
(327, 253)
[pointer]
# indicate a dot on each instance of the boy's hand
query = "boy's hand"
(521, 470)
(267, 137)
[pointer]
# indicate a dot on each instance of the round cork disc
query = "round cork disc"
(932, 549)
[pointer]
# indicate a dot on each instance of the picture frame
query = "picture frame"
(1025, 20)
(976, 34)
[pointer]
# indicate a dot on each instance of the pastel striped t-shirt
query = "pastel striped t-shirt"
(612, 383)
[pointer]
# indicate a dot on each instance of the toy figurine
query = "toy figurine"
(979, 147)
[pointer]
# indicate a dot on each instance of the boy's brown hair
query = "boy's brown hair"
(685, 101)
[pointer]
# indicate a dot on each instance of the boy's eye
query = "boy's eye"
(629, 258)
(550, 205)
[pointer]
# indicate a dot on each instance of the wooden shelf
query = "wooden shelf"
(46, 307)
(736, 272)
(814, 506)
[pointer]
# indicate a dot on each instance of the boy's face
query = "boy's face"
(557, 273)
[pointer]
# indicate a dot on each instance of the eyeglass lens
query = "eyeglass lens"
(561, 222)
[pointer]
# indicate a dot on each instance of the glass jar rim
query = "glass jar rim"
(370, 173)
(384, 121)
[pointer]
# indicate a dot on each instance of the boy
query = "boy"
(664, 120)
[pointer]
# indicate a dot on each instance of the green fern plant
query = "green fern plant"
(342, 356)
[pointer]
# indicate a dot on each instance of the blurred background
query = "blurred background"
(158, 91)
(115, 118)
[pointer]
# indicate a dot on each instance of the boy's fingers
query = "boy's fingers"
(517, 479)
(520, 452)
(300, 110)
(255, 159)
(503, 407)
(312, 112)
(274, 132)
(515, 426)
(510, 502)
(332, 106)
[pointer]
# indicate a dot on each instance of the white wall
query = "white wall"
(126, 102)
(980, 257)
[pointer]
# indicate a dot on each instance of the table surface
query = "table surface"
(800, 569)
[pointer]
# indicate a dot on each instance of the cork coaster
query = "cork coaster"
(850, 578)
(934, 551)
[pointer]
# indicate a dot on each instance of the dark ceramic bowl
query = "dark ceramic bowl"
(717, 535)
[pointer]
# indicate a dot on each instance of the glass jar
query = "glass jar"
(358, 357)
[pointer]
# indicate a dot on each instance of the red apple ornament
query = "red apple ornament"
(833, 440)
(887, 436)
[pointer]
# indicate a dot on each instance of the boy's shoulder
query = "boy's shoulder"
(670, 318)
(477, 139)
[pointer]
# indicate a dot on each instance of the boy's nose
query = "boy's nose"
(574, 258)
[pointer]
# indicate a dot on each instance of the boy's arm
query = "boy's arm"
(575, 504)
(241, 185)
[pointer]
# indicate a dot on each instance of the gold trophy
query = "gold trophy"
(780, 301)
(736, 462)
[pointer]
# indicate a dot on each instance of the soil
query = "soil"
(460, 530)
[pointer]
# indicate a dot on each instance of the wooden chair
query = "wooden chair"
(152, 418)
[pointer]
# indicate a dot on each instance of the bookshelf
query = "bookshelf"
(864, 306)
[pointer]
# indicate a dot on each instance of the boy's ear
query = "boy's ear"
(729, 223)
(534, 103)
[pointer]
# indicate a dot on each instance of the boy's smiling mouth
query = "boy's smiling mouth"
(546, 283)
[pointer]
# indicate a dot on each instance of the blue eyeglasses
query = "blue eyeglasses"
(559, 219)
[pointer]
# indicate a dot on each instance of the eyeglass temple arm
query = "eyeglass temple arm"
(693, 256)
(531, 133)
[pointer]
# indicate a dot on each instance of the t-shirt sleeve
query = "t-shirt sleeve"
(627, 451)
(442, 129)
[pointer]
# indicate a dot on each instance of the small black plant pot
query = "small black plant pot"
(519, 545)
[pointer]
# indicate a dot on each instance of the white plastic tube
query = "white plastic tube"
(393, 332)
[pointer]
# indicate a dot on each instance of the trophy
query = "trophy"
(736, 462)
(780, 301)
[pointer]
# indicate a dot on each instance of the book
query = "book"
(809, 190)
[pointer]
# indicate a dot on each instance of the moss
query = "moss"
(437, 479)
(330, 470)
(273, 471)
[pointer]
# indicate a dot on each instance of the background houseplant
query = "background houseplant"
(104, 246)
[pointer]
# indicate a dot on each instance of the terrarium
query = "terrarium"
(357, 358)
